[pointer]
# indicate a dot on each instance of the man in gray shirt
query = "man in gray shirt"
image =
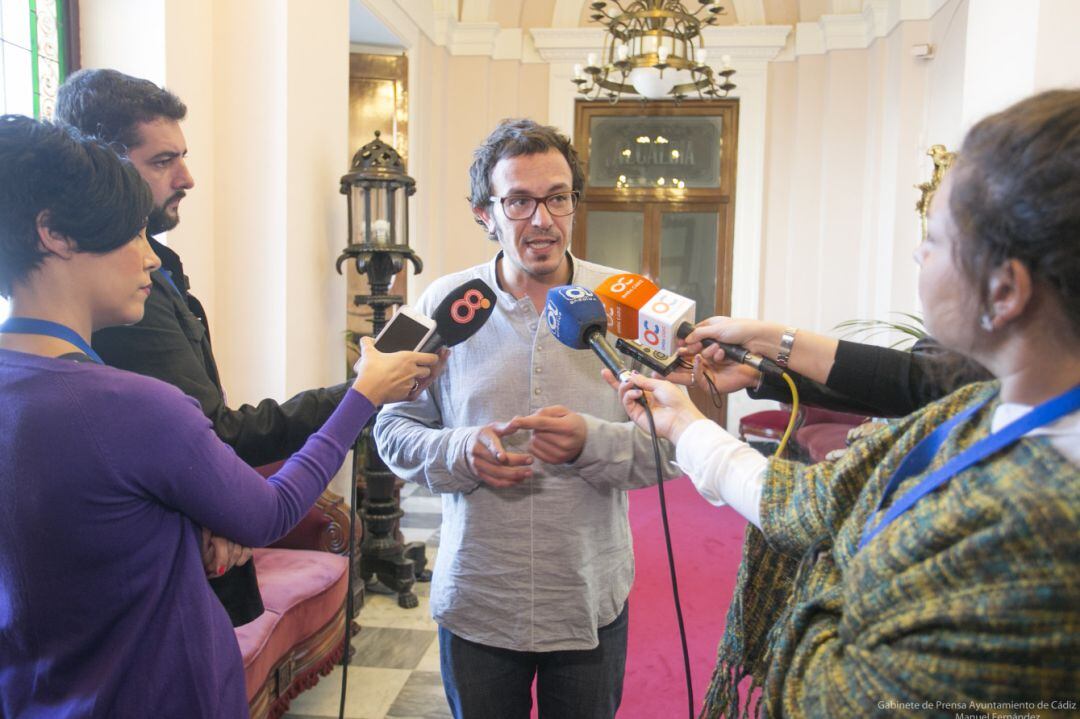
(532, 455)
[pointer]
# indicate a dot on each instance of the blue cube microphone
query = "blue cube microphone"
(576, 316)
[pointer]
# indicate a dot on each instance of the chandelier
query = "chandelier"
(649, 52)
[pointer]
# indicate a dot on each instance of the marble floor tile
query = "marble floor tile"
(371, 693)
(427, 505)
(394, 672)
(391, 648)
(430, 661)
(383, 611)
(421, 519)
(419, 491)
(418, 534)
(422, 697)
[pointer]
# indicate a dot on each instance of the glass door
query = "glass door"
(658, 197)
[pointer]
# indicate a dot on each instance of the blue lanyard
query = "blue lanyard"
(31, 326)
(918, 459)
(172, 283)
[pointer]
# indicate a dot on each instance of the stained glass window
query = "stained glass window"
(32, 62)
(31, 56)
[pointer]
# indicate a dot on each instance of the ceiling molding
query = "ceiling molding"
(565, 41)
(858, 31)
(472, 38)
(746, 40)
(749, 42)
(846, 32)
(809, 39)
(559, 44)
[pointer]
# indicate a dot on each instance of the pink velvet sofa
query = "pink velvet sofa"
(303, 580)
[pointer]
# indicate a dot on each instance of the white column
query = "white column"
(266, 85)
(141, 25)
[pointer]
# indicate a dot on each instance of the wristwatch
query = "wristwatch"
(786, 341)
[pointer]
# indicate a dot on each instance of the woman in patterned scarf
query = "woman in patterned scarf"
(935, 568)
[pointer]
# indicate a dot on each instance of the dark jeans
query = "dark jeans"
(484, 682)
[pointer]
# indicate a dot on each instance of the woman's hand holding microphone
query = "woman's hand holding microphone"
(396, 376)
(673, 411)
(812, 356)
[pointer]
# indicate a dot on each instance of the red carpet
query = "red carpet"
(707, 543)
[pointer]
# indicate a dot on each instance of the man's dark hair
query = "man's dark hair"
(109, 104)
(513, 138)
(1016, 195)
(87, 192)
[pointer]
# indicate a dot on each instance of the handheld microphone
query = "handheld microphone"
(461, 314)
(623, 296)
(576, 317)
(639, 310)
(662, 318)
(736, 352)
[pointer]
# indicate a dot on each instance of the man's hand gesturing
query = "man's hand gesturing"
(558, 434)
(490, 461)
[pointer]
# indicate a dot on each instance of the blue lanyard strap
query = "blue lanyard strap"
(918, 459)
(167, 274)
(31, 326)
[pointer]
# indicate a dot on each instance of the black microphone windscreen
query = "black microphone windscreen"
(463, 312)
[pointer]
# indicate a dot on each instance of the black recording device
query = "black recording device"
(657, 361)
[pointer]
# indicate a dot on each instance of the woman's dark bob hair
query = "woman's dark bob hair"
(86, 192)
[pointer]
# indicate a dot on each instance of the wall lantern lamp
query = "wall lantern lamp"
(378, 191)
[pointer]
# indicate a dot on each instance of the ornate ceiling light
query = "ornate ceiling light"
(649, 52)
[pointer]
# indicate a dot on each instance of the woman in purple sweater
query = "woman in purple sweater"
(107, 477)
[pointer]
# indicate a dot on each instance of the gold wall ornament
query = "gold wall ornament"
(653, 50)
(943, 160)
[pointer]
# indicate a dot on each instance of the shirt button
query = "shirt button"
(539, 370)
(536, 391)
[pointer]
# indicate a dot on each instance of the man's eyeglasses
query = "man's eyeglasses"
(523, 207)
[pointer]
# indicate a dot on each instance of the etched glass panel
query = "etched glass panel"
(48, 57)
(664, 152)
(688, 257)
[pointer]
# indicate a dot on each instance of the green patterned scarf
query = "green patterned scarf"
(973, 595)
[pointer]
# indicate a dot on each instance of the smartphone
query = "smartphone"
(407, 330)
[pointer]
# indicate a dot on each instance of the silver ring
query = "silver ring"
(415, 386)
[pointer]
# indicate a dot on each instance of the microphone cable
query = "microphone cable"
(794, 414)
(671, 557)
(714, 396)
(667, 530)
(347, 646)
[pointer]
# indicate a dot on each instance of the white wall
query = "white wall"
(833, 133)
(266, 84)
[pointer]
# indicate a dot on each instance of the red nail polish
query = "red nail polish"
(220, 570)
